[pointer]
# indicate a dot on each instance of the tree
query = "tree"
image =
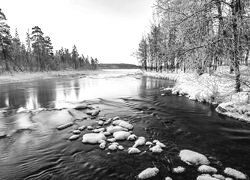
(143, 53)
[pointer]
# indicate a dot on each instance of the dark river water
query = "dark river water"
(35, 149)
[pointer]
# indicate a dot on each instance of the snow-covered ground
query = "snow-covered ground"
(28, 76)
(216, 89)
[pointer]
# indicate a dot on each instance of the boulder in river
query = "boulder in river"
(93, 138)
(74, 137)
(156, 149)
(82, 106)
(121, 135)
(123, 124)
(207, 169)
(192, 157)
(140, 141)
(148, 173)
(234, 173)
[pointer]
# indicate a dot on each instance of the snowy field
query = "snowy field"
(216, 89)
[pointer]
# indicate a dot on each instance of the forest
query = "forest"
(37, 53)
(197, 35)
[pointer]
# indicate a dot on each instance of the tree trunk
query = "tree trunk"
(247, 56)
(235, 14)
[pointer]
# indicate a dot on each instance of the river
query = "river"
(35, 149)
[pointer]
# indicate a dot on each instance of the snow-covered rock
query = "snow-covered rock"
(74, 137)
(123, 124)
(133, 150)
(207, 169)
(76, 132)
(81, 128)
(234, 173)
(113, 147)
(140, 141)
(156, 149)
(90, 127)
(178, 170)
(121, 135)
(132, 137)
(64, 126)
(111, 129)
(168, 178)
(148, 173)
(98, 130)
(192, 157)
(148, 143)
(93, 138)
(219, 176)
(157, 142)
(120, 147)
(111, 140)
(100, 123)
(206, 177)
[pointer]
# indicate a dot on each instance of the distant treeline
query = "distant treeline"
(37, 54)
(117, 66)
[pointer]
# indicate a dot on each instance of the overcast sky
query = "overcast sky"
(106, 29)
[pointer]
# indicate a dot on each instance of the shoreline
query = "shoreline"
(16, 77)
(217, 89)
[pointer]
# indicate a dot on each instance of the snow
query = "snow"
(148, 173)
(234, 173)
(207, 169)
(93, 138)
(192, 157)
(216, 89)
(179, 169)
(121, 135)
(140, 141)
(156, 149)
(133, 150)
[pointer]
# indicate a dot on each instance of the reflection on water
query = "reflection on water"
(56, 93)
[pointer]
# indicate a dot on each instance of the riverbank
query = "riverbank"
(216, 89)
(29, 76)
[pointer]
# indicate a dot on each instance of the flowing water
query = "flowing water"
(34, 149)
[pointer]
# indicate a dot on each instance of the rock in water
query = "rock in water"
(132, 137)
(207, 169)
(178, 170)
(95, 112)
(64, 126)
(148, 173)
(111, 129)
(121, 135)
(77, 132)
(93, 138)
(192, 157)
(123, 124)
(156, 149)
(2, 135)
(74, 137)
(168, 178)
(140, 141)
(205, 177)
(235, 173)
(157, 142)
(81, 106)
(81, 128)
(133, 150)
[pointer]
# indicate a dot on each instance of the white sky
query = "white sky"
(107, 29)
